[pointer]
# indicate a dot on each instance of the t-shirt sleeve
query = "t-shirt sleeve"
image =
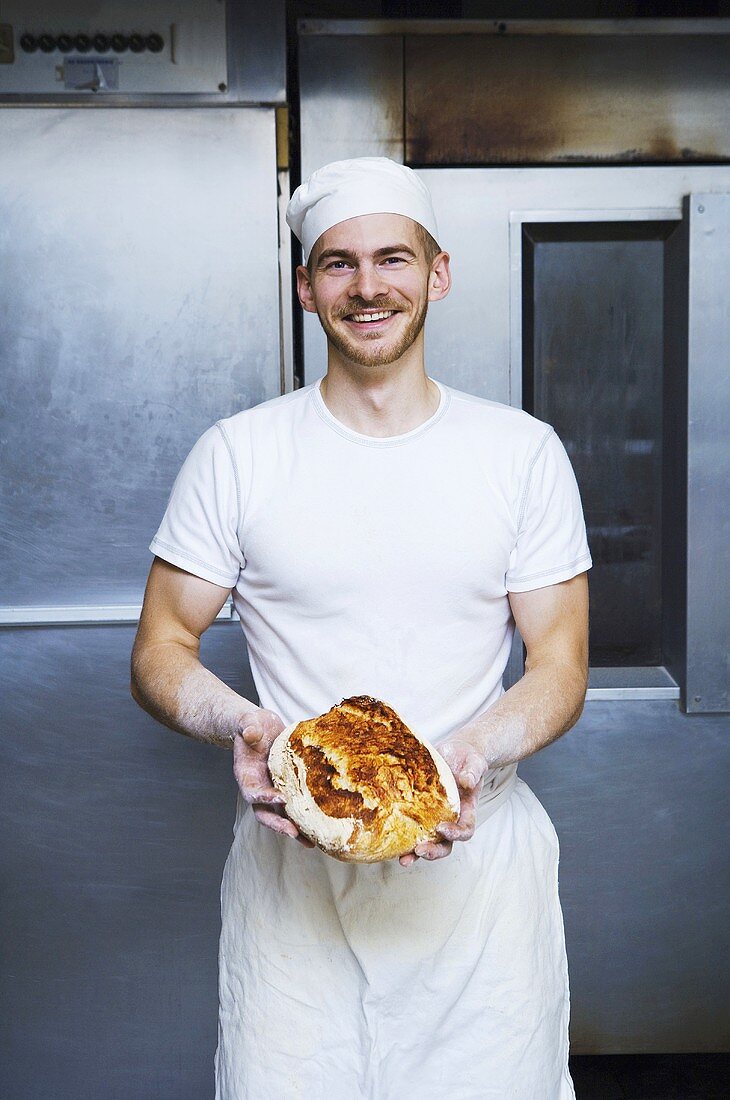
(551, 541)
(200, 528)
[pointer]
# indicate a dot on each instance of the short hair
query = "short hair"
(430, 247)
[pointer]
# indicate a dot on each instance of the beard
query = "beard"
(358, 352)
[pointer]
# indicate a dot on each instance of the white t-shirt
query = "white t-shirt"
(377, 566)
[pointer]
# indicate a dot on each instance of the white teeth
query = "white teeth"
(361, 317)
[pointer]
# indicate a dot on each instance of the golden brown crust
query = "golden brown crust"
(364, 764)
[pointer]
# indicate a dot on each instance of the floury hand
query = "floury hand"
(469, 767)
(251, 748)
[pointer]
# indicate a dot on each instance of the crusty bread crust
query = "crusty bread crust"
(360, 783)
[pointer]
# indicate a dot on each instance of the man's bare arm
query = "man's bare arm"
(549, 698)
(168, 679)
(546, 702)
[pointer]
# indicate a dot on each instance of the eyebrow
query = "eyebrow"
(345, 254)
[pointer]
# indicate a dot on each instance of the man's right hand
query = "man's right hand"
(251, 747)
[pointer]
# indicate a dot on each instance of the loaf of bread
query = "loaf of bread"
(360, 784)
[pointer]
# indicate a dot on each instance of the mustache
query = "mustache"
(359, 305)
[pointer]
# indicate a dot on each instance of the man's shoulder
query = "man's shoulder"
(276, 409)
(496, 417)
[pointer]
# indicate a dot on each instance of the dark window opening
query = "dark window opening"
(594, 328)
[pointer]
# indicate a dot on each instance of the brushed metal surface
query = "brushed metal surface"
(256, 52)
(115, 832)
(351, 105)
(540, 27)
(643, 682)
(566, 100)
(140, 304)
(708, 477)
(351, 99)
(637, 794)
(80, 616)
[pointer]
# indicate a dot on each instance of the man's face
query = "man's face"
(370, 287)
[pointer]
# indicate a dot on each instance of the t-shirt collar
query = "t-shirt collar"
(380, 441)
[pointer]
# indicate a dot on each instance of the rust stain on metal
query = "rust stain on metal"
(496, 100)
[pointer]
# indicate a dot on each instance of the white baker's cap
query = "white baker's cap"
(349, 188)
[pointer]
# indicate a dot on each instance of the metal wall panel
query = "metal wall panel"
(351, 92)
(511, 99)
(115, 834)
(708, 481)
(257, 51)
(140, 291)
(637, 794)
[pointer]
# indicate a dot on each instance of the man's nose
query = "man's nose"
(368, 282)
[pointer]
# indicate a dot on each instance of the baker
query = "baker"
(381, 534)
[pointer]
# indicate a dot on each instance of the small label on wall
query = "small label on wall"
(94, 74)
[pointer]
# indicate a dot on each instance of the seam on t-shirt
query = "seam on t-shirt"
(523, 500)
(546, 572)
(473, 399)
(191, 557)
(355, 437)
(229, 448)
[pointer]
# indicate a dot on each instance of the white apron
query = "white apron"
(378, 982)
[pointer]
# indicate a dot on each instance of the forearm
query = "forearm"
(170, 683)
(544, 704)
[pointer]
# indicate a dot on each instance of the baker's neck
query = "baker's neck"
(382, 401)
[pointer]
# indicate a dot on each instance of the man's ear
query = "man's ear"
(304, 289)
(439, 279)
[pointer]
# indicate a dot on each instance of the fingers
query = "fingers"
(250, 767)
(429, 849)
(453, 831)
(465, 827)
(275, 821)
(449, 831)
(469, 774)
(260, 728)
(467, 763)
(252, 735)
(433, 849)
(438, 849)
(254, 780)
(263, 796)
(251, 770)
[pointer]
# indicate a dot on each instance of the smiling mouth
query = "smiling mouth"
(370, 318)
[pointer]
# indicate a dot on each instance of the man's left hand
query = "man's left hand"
(469, 766)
